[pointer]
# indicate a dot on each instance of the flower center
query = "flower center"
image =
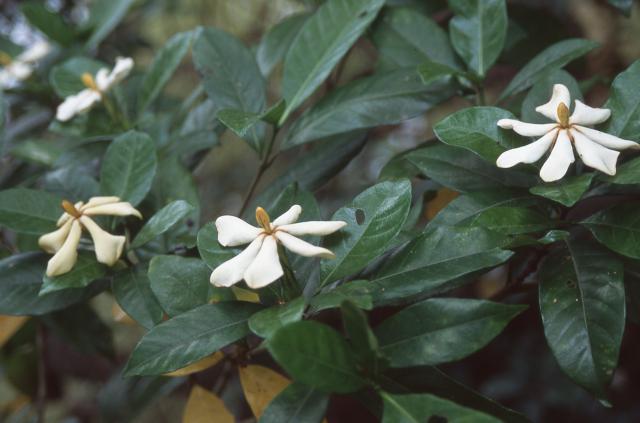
(89, 82)
(5, 59)
(262, 217)
(71, 209)
(563, 115)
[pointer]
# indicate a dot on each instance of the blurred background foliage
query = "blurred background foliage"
(517, 370)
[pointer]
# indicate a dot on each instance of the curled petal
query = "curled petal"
(108, 247)
(587, 115)
(98, 201)
(313, 227)
(594, 155)
(112, 209)
(53, 241)
(559, 160)
(67, 255)
(527, 129)
(122, 68)
(303, 248)
(266, 267)
(288, 217)
(77, 104)
(233, 231)
(529, 153)
(102, 79)
(232, 271)
(607, 140)
(36, 52)
(559, 95)
(20, 70)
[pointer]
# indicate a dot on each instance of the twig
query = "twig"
(266, 162)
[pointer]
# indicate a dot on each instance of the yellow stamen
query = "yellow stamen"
(5, 59)
(71, 209)
(263, 219)
(563, 115)
(89, 82)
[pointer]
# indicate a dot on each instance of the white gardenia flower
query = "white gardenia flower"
(21, 67)
(96, 88)
(596, 149)
(63, 242)
(259, 263)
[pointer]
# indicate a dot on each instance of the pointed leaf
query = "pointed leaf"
(618, 228)
(624, 102)
(417, 408)
(296, 403)
(204, 406)
(132, 290)
(162, 221)
(261, 385)
(567, 191)
(276, 42)
(29, 211)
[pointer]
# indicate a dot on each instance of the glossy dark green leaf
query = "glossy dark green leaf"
(72, 183)
(357, 292)
(189, 337)
(618, 228)
(567, 191)
(627, 173)
(66, 78)
(433, 262)
(239, 121)
(104, 16)
(623, 6)
(316, 355)
(419, 408)
(381, 99)
(162, 221)
(478, 32)
(132, 290)
(50, 23)
(210, 250)
(277, 41)
(431, 72)
(554, 236)
(373, 219)
(296, 403)
(129, 167)
(86, 270)
(441, 330)
(553, 57)
(541, 91)
(512, 220)
(29, 211)
(266, 322)
(320, 44)
(361, 338)
(624, 102)
(582, 303)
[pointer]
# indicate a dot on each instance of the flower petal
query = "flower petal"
(76, 104)
(53, 241)
(290, 216)
(527, 129)
(607, 140)
(233, 231)
(98, 201)
(559, 95)
(559, 160)
(67, 255)
(313, 227)
(266, 267)
(232, 271)
(594, 155)
(120, 71)
(303, 248)
(20, 71)
(34, 53)
(112, 209)
(108, 247)
(587, 115)
(529, 153)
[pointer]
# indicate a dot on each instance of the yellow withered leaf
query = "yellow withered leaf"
(198, 366)
(443, 197)
(205, 407)
(10, 325)
(261, 385)
(245, 295)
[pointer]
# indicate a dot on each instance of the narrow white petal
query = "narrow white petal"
(20, 71)
(313, 227)
(288, 217)
(559, 160)
(112, 209)
(266, 267)
(233, 231)
(108, 247)
(529, 153)
(533, 129)
(120, 71)
(67, 255)
(587, 115)
(63, 219)
(36, 52)
(303, 248)
(232, 271)
(76, 104)
(98, 201)
(7, 80)
(607, 140)
(559, 95)
(594, 155)
(103, 82)
(53, 241)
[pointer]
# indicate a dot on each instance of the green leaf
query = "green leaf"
(441, 330)
(162, 221)
(231, 77)
(541, 91)
(320, 44)
(624, 102)
(381, 99)
(164, 64)
(132, 290)
(316, 355)
(129, 167)
(476, 129)
(554, 236)
(431, 71)
(266, 322)
(73, 183)
(85, 271)
(179, 283)
(406, 38)
(374, 218)
(189, 337)
(623, 6)
(512, 220)
(240, 122)
(356, 292)
(433, 262)
(51, 24)
(628, 173)
(104, 16)
(478, 32)
(618, 228)
(66, 78)
(553, 57)
(361, 338)
(210, 250)
(21, 281)
(29, 211)
(566, 192)
(582, 302)
(296, 403)
(277, 41)
(418, 408)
